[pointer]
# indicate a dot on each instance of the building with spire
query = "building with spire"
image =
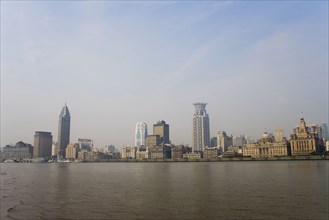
(305, 139)
(201, 131)
(63, 131)
(140, 134)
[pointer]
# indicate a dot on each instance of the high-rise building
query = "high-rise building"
(162, 129)
(224, 141)
(153, 140)
(325, 133)
(239, 141)
(63, 131)
(140, 134)
(201, 131)
(213, 142)
(42, 144)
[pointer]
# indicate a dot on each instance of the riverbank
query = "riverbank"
(221, 159)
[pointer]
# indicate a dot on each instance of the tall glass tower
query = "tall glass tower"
(140, 134)
(63, 131)
(201, 133)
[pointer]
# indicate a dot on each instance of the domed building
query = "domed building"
(266, 147)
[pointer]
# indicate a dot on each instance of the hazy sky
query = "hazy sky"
(257, 65)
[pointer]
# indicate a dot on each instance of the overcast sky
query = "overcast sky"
(257, 65)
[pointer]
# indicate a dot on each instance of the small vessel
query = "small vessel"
(64, 161)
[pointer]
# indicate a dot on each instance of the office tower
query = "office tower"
(239, 141)
(42, 144)
(140, 134)
(278, 135)
(325, 133)
(213, 142)
(153, 140)
(63, 131)
(162, 129)
(201, 133)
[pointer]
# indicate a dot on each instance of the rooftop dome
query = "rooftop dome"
(265, 135)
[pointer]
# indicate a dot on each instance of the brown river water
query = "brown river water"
(166, 190)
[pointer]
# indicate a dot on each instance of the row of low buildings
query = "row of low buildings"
(46, 149)
(305, 140)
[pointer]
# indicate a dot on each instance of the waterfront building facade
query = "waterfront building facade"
(201, 131)
(192, 156)
(72, 151)
(209, 153)
(305, 139)
(156, 152)
(63, 131)
(177, 152)
(161, 128)
(267, 147)
(18, 152)
(128, 152)
(142, 153)
(140, 134)
(42, 144)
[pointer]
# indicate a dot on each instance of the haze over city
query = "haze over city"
(256, 64)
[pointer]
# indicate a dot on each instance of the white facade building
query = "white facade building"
(140, 134)
(201, 131)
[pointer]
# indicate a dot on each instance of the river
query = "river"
(165, 190)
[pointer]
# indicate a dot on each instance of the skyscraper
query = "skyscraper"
(201, 131)
(63, 131)
(42, 144)
(140, 134)
(224, 141)
(162, 129)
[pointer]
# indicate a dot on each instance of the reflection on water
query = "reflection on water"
(200, 190)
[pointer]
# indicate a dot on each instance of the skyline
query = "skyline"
(256, 64)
